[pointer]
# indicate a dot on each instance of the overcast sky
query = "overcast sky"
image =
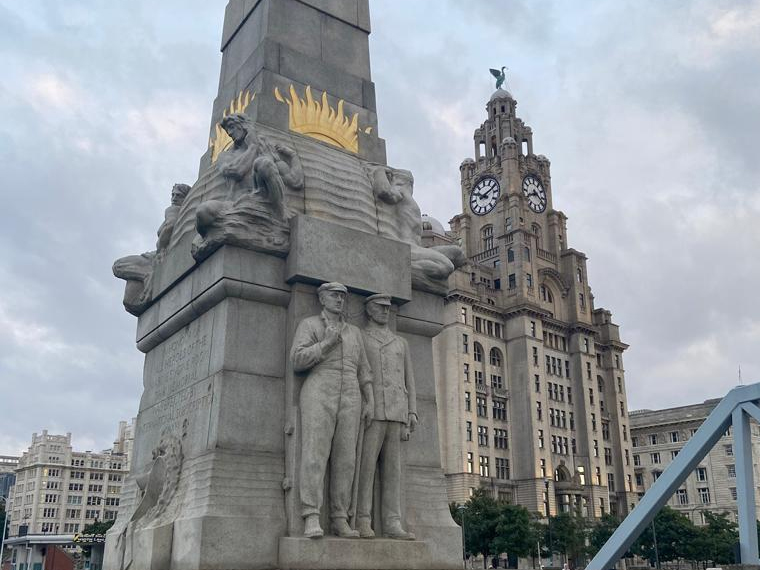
(649, 112)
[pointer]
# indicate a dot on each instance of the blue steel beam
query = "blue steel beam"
(745, 486)
(676, 473)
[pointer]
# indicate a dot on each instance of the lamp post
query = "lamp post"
(462, 509)
(549, 522)
(656, 550)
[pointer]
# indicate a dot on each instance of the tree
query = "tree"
(568, 536)
(481, 513)
(676, 537)
(717, 539)
(515, 531)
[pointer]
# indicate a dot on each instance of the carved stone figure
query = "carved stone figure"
(157, 486)
(431, 266)
(335, 397)
(254, 214)
(395, 417)
(179, 193)
(137, 270)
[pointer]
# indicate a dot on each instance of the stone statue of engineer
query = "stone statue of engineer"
(395, 416)
(335, 397)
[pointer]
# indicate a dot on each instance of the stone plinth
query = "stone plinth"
(220, 403)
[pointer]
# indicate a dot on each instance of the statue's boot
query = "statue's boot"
(340, 528)
(365, 528)
(394, 530)
(312, 528)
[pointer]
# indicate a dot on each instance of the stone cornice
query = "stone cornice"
(526, 309)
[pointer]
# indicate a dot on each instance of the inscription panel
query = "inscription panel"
(178, 362)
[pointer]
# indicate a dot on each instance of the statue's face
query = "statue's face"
(378, 312)
(177, 196)
(236, 132)
(333, 301)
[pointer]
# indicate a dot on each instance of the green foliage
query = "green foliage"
(98, 527)
(676, 535)
(493, 527)
(716, 540)
(566, 534)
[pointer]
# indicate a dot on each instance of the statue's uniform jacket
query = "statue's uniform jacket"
(393, 384)
(330, 402)
(395, 398)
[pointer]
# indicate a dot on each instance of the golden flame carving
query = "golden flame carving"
(221, 140)
(320, 120)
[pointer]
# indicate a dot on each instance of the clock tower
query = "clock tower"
(532, 374)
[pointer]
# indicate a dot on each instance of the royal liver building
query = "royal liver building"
(532, 394)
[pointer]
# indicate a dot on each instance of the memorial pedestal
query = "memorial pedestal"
(221, 400)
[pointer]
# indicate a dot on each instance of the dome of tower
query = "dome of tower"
(430, 224)
(500, 94)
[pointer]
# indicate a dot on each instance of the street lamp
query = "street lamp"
(462, 509)
(549, 522)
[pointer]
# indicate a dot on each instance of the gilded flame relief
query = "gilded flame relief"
(320, 121)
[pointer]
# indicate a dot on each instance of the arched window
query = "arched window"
(495, 357)
(579, 275)
(546, 294)
(477, 351)
(487, 234)
(510, 255)
(600, 384)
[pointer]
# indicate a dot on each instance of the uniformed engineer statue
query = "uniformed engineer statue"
(336, 396)
(395, 416)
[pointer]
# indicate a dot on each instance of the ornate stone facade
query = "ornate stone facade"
(532, 381)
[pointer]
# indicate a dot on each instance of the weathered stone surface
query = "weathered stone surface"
(365, 263)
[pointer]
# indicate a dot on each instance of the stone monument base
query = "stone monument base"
(332, 553)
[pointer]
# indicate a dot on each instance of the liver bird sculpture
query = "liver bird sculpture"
(499, 75)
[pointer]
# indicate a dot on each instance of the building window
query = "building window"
(535, 356)
(655, 458)
(537, 381)
(497, 382)
(483, 464)
(625, 433)
(499, 409)
(483, 436)
(495, 357)
(619, 384)
(539, 412)
(588, 370)
(542, 468)
(733, 493)
(729, 449)
(591, 396)
(639, 480)
(510, 254)
(540, 439)
(596, 450)
(656, 475)
(512, 281)
(465, 346)
(582, 300)
(636, 460)
(605, 430)
(682, 497)
(533, 329)
(482, 407)
(467, 402)
(627, 458)
(585, 344)
(731, 469)
(477, 352)
(607, 456)
(701, 473)
(598, 476)
(572, 420)
(593, 422)
(622, 408)
(674, 453)
(466, 371)
(529, 280)
(569, 395)
(704, 495)
(579, 274)
(487, 237)
(652, 439)
(500, 440)
(469, 462)
(567, 366)
(502, 468)
(479, 377)
(464, 315)
(611, 482)
(617, 361)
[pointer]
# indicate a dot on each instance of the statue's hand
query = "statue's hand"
(413, 421)
(368, 413)
(332, 336)
(284, 150)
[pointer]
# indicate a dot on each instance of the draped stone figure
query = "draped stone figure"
(335, 397)
(395, 417)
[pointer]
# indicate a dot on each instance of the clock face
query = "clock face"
(534, 192)
(484, 195)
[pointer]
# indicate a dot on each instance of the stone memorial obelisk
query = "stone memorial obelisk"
(288, 416)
